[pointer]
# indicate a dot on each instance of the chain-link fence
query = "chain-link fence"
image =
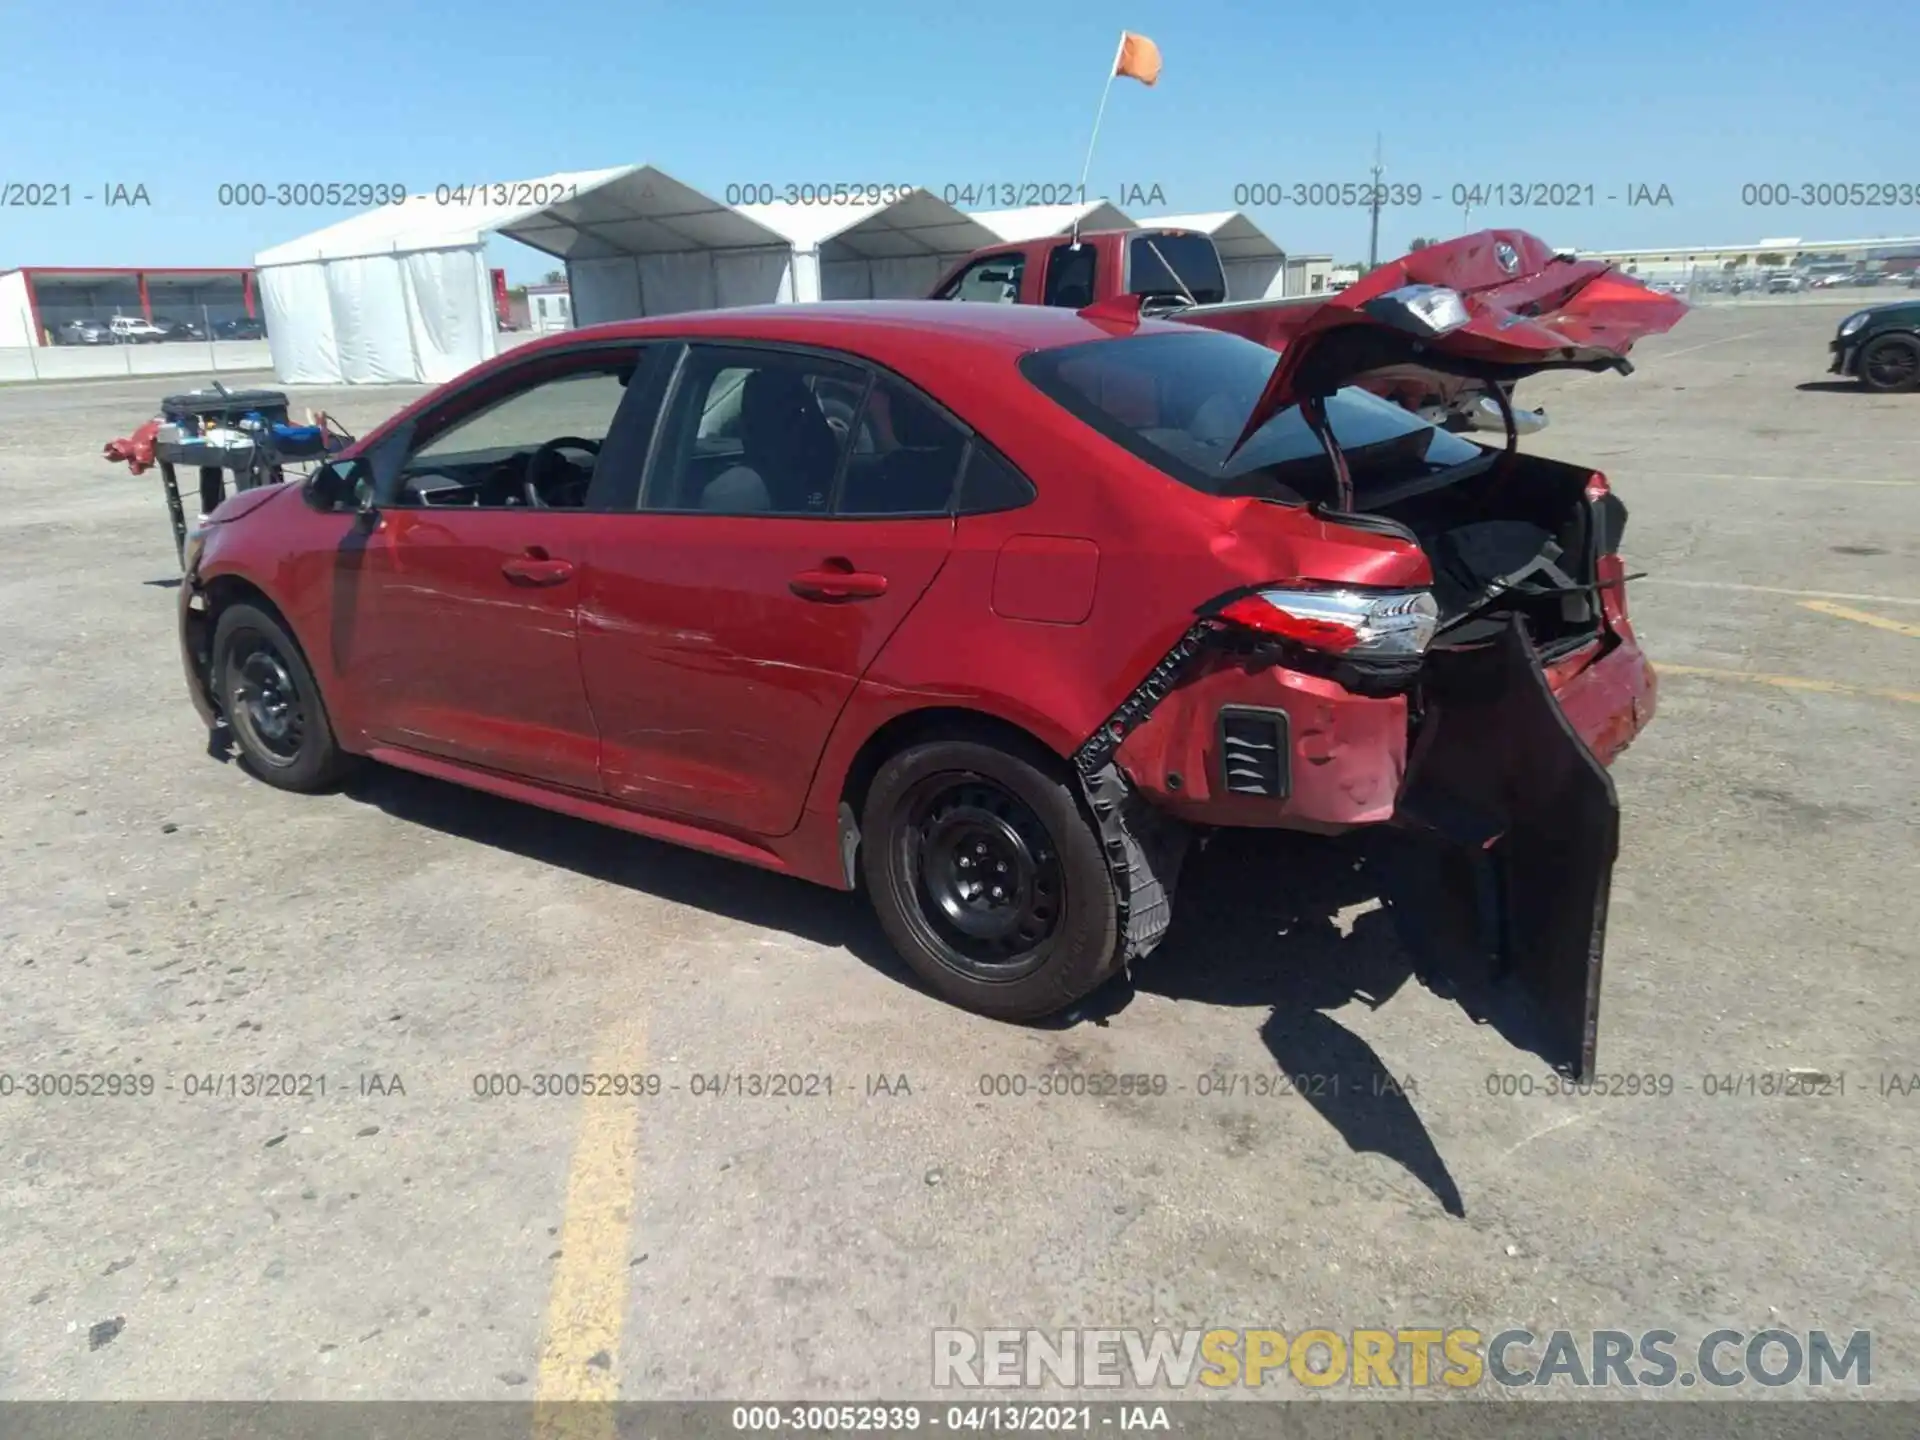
(1765, 280)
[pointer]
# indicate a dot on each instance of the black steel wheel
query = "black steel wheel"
(263, 702)
(988, 877)
(1890, 364)
(267, 694)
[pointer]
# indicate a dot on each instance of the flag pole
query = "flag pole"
(1113, 69)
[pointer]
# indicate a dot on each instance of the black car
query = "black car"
(1880, 347)
(244, 328)
(181, 329)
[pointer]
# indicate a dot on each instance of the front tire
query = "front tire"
(1890, 364)
(989, 879)
(273, 707)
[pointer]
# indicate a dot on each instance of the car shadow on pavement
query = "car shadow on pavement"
(654, 867)
(1833, 387)
(1297, 923)
(1300, 924)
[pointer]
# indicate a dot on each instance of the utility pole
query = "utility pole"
(1373, 236)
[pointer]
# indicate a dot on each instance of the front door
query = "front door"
(796, 509)
(464, 638)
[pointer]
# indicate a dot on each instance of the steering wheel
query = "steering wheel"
(544, 459)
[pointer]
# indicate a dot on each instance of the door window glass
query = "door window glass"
(1070, 270)
(756, 433)
(905, 456)
(994, 279)
(535, 446)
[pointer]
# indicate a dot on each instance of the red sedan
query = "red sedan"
(988, 609)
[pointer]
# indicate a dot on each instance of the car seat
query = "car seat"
(788, 451)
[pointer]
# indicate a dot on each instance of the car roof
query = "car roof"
(878, 326)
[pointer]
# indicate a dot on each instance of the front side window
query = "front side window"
(534, 446)
(994, 280)
(1180, 401)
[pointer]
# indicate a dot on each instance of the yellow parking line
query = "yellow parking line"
(1879, 622)
(580, 1353)
(1790, 682)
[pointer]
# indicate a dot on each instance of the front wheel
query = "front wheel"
(988, 879)
(1890, 364)
(271, 702)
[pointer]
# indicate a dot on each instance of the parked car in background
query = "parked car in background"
(1880, 347)
(243, 328)
(1784, 283)
(135, 330)
(986, 609)
(181, 329)
(85, 332)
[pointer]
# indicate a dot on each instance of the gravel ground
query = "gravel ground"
(398, 1237)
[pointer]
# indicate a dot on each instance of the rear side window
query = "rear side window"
(1179, 402)
(1070, 274)
(991, 483)
(751, 432)
(1175, 267)
(905, 458)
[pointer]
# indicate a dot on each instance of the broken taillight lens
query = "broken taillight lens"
(1340, 621)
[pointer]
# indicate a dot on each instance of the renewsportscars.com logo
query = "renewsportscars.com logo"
(1403, 1357)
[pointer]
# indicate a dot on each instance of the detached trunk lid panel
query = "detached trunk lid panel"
(1499, 773)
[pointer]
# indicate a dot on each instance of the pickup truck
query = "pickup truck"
(1177, 274)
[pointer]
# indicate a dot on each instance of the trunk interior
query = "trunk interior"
(1520, 539)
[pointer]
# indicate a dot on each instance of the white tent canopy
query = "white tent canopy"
(872, 251)
(1255, 265)
(398, 293)
(647, 244)
(1036, 222)
(403, 293)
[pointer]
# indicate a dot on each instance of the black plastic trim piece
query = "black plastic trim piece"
(1277, 723)
(1098, 748)
(1144, 849)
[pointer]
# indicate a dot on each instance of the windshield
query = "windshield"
(1178, 401)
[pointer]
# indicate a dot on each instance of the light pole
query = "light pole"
(1373, 235)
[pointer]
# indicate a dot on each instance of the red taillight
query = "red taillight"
(1255, 613)
(1339, 620)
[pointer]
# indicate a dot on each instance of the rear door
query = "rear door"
(796, 507)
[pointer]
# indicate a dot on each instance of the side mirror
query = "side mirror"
(341, 485)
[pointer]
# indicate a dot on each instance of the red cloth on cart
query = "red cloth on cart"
(136, 449)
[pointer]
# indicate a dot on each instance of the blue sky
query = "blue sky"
(1701, 98)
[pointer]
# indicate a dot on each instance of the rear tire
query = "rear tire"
(273, 707)
(1890, 364)
(989, 879)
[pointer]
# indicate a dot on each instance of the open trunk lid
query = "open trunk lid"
(1496, 306)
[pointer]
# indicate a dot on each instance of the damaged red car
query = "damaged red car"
(987, 610)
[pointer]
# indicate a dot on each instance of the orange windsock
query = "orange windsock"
(1139, 57)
